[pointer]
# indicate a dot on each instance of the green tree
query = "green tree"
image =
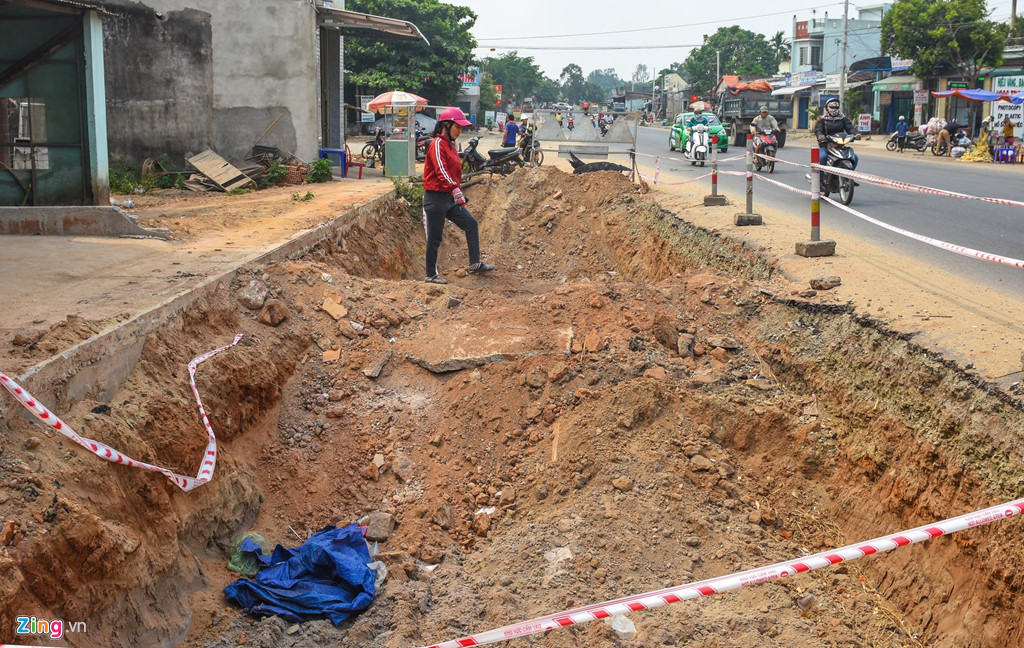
(518, 76)
(431, 71)
(781, 47)
(607, 78)
(640, 74)
(572, 82)
(944, 34)
(549, 91)
(741, 52)
(952, 34)
(488, 97)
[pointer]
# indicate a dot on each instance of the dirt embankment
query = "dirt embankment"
(626, 404)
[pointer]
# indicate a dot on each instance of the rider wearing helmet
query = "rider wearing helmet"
(443, 198)
(761, 123)
(698, 118)
(833, 122)
(902, 128)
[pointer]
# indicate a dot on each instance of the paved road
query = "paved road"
(982, 226)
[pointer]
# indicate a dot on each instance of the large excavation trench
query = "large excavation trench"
(637, 399)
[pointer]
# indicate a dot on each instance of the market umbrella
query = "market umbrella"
(1018, 98)
(974, 95)
(383, 103)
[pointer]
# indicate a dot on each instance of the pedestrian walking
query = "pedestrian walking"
(902, 128)
(443, 198)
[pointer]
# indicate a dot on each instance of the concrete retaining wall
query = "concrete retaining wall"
(96, 367)
(73, 221)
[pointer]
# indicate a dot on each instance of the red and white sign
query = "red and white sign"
(920, 97)
(864, 122)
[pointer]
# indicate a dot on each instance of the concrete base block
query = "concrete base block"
(816, 248)
(714, 201)
(747, 219)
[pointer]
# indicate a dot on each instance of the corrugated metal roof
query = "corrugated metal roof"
(352, 23)
(74, 4)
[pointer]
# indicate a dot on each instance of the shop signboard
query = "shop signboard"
(920, 97)
(366, 116)
(864, 122)
(1015, 112)
(1009, 85)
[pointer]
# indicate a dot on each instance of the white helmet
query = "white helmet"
(902, 118)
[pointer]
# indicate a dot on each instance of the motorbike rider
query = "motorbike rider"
(833, 122)
(443, 198)
(698, 118)
(760, 124)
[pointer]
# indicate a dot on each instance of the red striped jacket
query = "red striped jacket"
(443, 169)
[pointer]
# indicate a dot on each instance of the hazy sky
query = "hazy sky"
(514, 25)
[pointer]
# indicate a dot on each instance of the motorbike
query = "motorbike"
(500, 160)
(374, 150)
(531, 149)
(697, 145)
(570, 122)
(914, 140)
(422, 140)
(839, 154)
(769, 146)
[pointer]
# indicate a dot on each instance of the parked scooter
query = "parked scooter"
(697, 147)
(840, 156)
(768, 147)
(422, 141)
(500, 160)
(914, 140)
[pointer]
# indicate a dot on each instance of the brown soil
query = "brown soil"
(637, 398)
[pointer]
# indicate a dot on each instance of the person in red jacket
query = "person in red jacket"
(442, 197)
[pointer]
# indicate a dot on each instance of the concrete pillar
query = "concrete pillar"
(96, 108)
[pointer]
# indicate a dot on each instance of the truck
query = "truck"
(737, 110)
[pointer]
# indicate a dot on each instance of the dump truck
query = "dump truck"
(739, 104)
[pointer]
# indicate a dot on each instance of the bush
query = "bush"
(411, 192)
(126, 177)
(306, 198)
(275, 175)
(320, 171)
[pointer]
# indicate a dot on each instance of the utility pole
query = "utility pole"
(842, 73)
(718, 68)
(1013, 15)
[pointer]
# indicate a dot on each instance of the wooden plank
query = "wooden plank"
(219, 170)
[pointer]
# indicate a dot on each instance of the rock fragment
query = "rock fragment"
(379, 526)
(273, 313)
(254, 295)
(826, 283)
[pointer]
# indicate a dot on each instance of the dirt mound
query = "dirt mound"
(607, 413)
(39, 345)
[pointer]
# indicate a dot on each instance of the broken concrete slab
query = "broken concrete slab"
(334, 309)
(374, 370)
(482, 338)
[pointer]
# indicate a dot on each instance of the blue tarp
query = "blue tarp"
(326, 576)
(974, 95)
(1018, 98)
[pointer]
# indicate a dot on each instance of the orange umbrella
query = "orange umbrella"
(386, 102)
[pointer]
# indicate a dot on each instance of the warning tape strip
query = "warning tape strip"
(676, 159)
(803, 192)
(104, 451)
(656, 181)
(906, 186)
(958, 249)
(755, 576)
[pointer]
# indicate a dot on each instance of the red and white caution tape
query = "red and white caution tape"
(959, 249)
(906, 186)
(676, 159)
(662, 182)
(742, 579)
(803, 192)
(104, 451)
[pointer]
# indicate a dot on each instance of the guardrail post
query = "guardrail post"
(714, 199)
(815, 247)
(749, 217)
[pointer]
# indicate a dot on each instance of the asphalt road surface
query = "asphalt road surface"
(987, 227)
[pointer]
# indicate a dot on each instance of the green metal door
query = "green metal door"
(43, 150)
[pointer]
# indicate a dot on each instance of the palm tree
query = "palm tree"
(781, 47)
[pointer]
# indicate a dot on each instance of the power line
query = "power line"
(581, 48)
(644, 29)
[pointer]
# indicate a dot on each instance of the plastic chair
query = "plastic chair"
(350, 162)
(1004, 155)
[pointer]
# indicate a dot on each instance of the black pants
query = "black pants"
(901, 142)
(438, 206)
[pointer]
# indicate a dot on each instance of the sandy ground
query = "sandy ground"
(606, 414)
